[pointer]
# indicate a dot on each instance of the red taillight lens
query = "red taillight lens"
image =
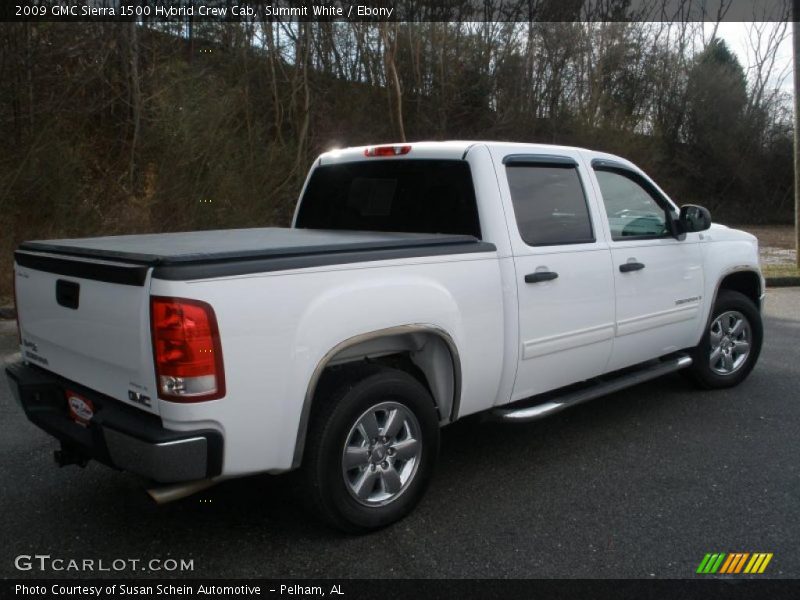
(387, 150)
(186, 349)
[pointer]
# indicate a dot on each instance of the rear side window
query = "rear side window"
(414, 196)
(549, 204)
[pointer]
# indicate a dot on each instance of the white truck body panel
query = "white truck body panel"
(658, 310)
(278, 327)
(105, 345)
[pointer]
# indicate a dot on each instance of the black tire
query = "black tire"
(344, 398)
(701, 371)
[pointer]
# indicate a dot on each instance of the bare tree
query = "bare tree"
(796, 39)
(135, 98)
(390, 52)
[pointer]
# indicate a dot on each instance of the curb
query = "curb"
(782, 281)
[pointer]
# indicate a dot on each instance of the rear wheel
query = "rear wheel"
(730, 345)
(371, 448)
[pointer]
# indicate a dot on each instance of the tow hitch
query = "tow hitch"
(69, 456)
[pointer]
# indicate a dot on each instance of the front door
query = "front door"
(658, 279)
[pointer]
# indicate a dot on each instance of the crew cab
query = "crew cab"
(419, 283)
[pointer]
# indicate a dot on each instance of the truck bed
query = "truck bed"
(203, 254)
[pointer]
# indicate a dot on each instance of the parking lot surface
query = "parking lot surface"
(642, 483)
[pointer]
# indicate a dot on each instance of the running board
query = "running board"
(532, 412)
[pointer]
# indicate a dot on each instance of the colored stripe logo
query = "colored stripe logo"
(734, 563)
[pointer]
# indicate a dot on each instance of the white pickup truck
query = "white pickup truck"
(419, 283)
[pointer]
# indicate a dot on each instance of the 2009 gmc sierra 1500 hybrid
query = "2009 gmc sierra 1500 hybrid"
(418, 284)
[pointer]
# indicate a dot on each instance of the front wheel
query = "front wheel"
(371, 448)
(731, 343)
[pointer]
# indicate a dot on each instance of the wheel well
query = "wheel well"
(744, 282)
(425, 352)
(423, 355)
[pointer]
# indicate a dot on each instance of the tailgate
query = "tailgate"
(88, 321)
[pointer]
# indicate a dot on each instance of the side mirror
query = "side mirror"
(694, 218)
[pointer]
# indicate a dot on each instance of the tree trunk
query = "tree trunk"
(302, 134)
(390, 47)
(135, 99)
(277, 107)
(796, 37)
(29, 71)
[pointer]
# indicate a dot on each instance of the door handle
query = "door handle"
(540, 276)
(631, 266)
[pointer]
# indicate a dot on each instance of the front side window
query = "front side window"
(632, 210)
(549, 204)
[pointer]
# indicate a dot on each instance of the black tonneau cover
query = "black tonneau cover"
(204, 254)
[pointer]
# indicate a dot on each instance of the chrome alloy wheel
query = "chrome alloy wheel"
(730, 338)
(381, 454)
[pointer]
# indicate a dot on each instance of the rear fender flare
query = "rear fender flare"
(451, 411)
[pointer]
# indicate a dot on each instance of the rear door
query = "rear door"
(563, 270)
(658, 278)
(88, 321)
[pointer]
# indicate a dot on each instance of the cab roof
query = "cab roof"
(455, 149)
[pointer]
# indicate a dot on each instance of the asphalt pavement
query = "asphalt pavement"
(642, 483)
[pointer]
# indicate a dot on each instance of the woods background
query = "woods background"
(111, 128)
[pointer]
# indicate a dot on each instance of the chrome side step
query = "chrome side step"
(525, 411)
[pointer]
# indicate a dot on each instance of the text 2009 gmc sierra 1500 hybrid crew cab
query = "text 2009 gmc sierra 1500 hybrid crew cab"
(419, 283)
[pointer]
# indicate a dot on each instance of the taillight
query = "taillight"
(387, 150)
(186, 350)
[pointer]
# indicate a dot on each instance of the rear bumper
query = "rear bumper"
(117, 435)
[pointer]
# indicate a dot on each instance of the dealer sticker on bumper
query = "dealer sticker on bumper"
(81, 409)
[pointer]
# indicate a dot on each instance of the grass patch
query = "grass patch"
(781, 271)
